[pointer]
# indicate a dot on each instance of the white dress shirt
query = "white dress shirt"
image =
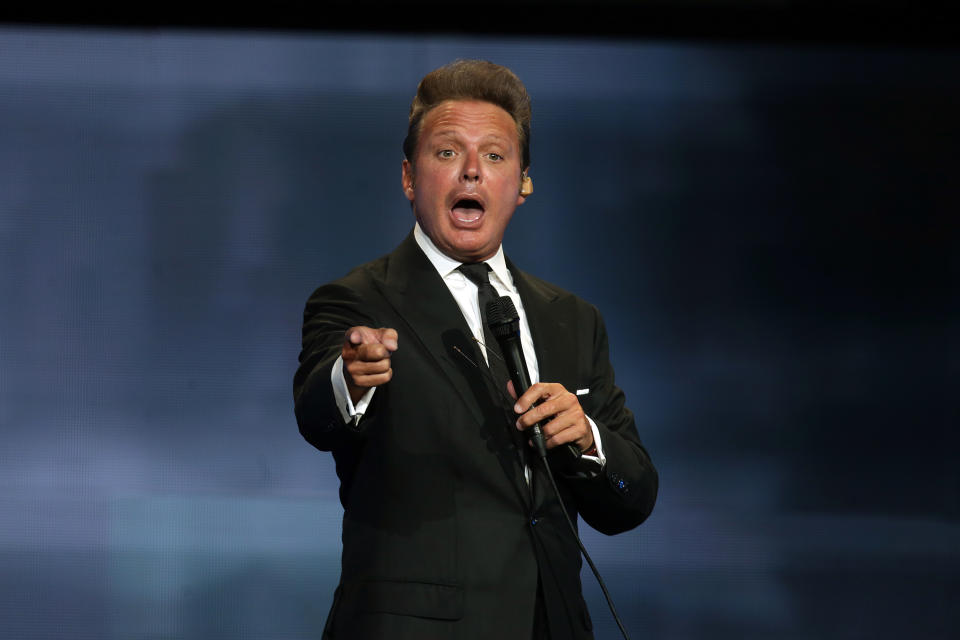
(465, 293)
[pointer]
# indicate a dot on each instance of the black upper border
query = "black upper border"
(839, 22)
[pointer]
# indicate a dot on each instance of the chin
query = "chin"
(476, 254)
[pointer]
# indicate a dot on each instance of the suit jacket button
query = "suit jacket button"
(619, 483)
(533, 521)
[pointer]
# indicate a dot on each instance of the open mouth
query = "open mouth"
(467, 210)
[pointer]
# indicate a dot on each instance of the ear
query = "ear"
(526, 187)
(407, 179)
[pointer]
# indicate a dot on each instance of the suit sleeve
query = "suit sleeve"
(330, 311)
(622, 495)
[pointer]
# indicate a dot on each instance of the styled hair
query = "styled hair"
(471, 80)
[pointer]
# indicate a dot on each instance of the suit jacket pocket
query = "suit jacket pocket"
(422, 599)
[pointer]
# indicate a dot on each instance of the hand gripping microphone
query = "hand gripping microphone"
(504, 323)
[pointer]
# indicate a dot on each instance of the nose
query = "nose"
(471, 166)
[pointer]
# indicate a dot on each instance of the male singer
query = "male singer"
(451, 529)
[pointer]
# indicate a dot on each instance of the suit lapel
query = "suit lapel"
(415, 290)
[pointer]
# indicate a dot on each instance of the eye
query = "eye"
(496, 157)
(445, 153)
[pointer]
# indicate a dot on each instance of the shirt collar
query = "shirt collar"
(445, 265)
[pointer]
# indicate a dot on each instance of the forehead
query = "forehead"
(469, 118)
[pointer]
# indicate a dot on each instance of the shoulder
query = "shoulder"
(541, 286)
(360, 282)
(542, 291)
(394, 271)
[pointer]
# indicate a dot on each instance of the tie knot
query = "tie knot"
(478, 273)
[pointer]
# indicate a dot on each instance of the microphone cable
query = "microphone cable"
(583, 551)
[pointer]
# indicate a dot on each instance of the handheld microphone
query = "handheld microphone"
(504, 323)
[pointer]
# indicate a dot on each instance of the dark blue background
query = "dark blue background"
(769, 231)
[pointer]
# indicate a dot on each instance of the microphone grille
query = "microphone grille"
(502, 317)
(501, 311)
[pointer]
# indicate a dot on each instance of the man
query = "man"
(450, 527)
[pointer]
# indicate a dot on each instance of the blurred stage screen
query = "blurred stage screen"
(768, 229)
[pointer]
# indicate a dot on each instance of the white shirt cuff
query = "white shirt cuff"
(349, 411)
(600, 458)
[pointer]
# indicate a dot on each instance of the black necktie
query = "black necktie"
(479, 274)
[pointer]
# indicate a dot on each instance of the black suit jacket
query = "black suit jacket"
(442, 535)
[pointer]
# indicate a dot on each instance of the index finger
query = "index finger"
(356, 336)
(539, 391)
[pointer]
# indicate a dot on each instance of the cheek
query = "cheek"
(430, 185)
